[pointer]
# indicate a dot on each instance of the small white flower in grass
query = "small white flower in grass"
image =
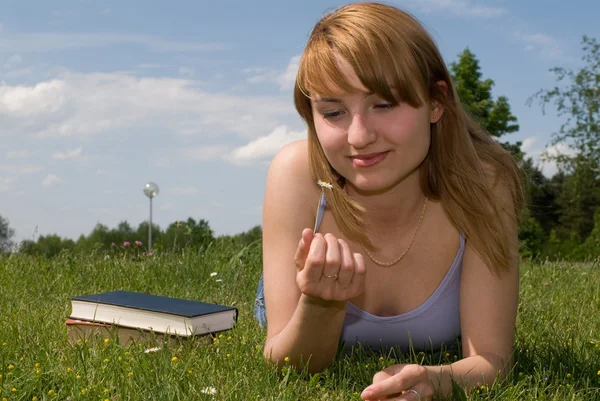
(209, 390)
(218, 280)
(152, 350)
(213, 274)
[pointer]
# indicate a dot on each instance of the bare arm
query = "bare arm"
(488, 310)
(305, 311)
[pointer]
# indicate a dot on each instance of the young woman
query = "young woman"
(414, 242)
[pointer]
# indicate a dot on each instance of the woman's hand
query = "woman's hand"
(327, 269)
(401, 383)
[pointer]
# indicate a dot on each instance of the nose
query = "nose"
(360, 133)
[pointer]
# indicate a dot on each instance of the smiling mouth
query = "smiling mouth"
(368, 160)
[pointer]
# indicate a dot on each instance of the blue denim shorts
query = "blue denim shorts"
(260, 311)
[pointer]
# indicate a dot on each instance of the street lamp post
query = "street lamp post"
(150, 190)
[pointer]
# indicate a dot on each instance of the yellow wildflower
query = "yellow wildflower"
(83, 392)
(37, 371)
(37, 365)
(69, 370)
(228, 355)
(106, 340)
(14, 390)
(34, 398)
(174, 359)
(105, 391)
(220, 335)
(287, 359)
(129, 374)
(11, 366)
(50, 392)
(569, 375)
(229, 338)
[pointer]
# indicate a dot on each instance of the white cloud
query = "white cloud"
(18, 154)
(540, 155)
(80, 105)
(459, 8)
(205, 153)
(6, 183)
(545, 45)
(51, 180)
(182, 191)
(527, 143)
(47, 42)
(288, 78)
(285, 79)
(265, 147)
(186, 72)
(13, 60)
(69, 154)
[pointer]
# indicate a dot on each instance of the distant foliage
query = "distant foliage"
(179, 235)
(6, 234)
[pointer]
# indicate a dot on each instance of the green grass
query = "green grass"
(557, 347)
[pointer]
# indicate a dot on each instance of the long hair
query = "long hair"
(386, 48)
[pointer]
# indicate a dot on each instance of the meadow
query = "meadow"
(557, 347)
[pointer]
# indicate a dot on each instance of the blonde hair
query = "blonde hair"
(386, 48)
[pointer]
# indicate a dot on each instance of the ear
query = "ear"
(437, 108)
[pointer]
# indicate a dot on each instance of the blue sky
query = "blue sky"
(99, 97)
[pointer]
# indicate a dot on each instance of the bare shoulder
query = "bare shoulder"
(290, 192)
(289, 205)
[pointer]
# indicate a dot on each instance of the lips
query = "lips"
(368, 160)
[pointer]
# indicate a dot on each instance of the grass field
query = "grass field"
(557, 347)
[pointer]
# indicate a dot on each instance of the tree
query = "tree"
(476, 96)
(579, 102)
(576, 145)
(6, 234)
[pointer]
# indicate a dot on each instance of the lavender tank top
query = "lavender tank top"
(433, 324)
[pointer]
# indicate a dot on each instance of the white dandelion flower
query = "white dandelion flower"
(209, 390)
(324, 184)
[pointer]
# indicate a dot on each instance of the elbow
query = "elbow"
(500, 364)
(298, 362)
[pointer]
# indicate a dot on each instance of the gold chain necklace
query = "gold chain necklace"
(399, 258)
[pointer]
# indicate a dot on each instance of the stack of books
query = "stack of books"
(130, 316)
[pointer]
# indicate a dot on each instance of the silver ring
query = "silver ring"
(334, 277)
(415, 391)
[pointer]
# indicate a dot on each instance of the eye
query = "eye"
(385, 106)
(331, 114)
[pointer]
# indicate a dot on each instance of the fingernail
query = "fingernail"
(366, 394)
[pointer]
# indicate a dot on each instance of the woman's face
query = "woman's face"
(373, 144)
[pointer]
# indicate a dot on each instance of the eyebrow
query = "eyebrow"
(337, 100)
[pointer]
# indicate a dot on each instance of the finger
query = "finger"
(313, 267)
(357, 285)
(395, 384)
(303, 248)
(346, 265)
(332, 259)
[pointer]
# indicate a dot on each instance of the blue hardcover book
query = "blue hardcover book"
(160, 314)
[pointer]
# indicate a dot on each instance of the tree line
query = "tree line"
(561, 218)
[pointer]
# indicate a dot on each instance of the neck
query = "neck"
(396, 209)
